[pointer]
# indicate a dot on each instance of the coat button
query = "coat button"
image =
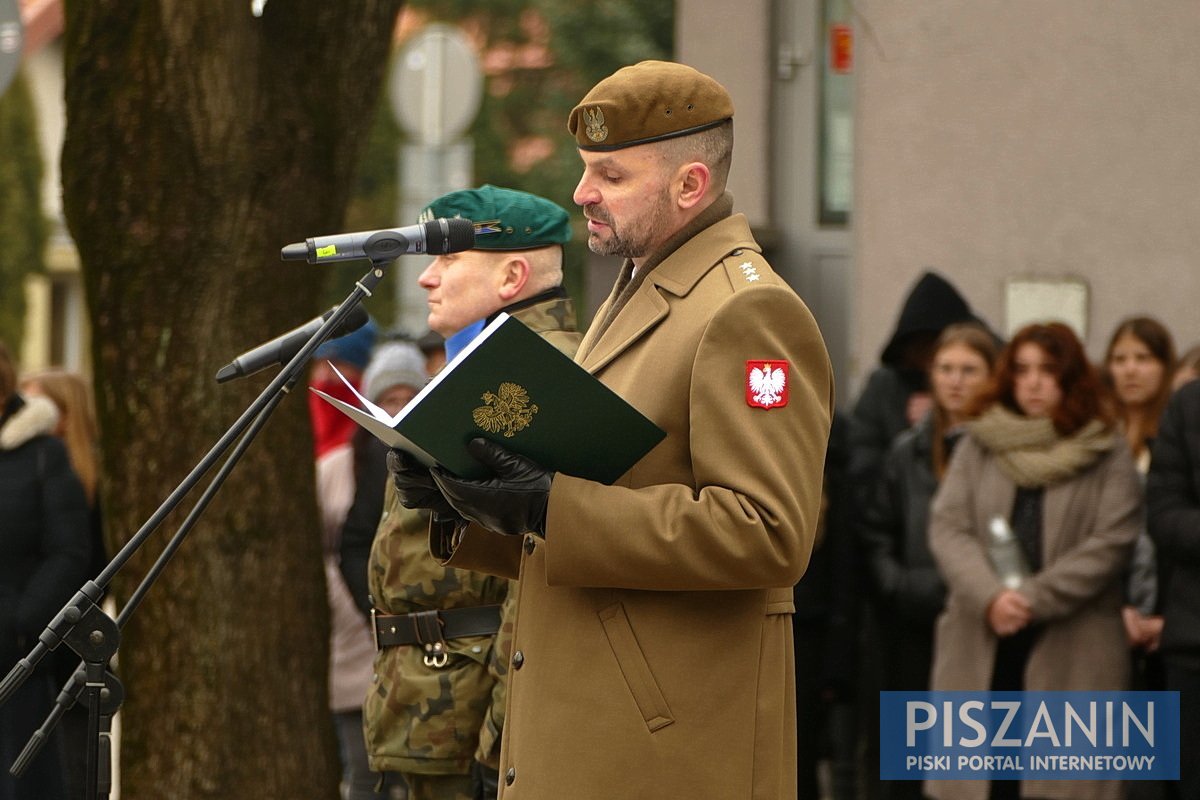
(518, 659)
(510, 776)
(530, 544)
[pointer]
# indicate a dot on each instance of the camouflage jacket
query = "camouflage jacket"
(430, 720)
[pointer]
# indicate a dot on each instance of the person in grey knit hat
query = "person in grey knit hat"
(394, 375)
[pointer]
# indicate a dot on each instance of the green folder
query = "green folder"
(512, 386)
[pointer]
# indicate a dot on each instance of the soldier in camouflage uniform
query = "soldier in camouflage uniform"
(435, 709)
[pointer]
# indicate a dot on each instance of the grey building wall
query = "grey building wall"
(994, 141)
(768, 54)
(1023, 138)
(730, 45)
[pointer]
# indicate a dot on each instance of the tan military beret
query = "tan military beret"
(648, 102)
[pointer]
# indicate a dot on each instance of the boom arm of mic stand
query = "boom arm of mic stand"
(84, 600)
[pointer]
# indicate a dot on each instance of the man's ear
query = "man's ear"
(514, 274)
(694, 180)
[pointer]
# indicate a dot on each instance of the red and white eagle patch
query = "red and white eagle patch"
(766, 384)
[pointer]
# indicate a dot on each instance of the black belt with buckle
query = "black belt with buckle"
(434, 626)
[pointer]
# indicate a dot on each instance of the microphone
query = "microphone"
(281, 349)
(434, 238)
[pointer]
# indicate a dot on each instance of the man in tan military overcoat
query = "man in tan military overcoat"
(652, 652)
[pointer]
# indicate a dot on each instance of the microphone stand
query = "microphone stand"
(96, 659)
(85, 627)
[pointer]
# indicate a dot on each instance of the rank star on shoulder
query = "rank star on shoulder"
(749, 271)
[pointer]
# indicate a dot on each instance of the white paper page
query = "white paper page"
(449, 367)
(379, 428)
(391, 421)
(375, 410)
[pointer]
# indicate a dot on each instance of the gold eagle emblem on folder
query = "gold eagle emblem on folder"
(507, 411)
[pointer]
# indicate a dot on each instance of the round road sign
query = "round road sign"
(436, 85)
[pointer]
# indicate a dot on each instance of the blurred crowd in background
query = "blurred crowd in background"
(986, 528)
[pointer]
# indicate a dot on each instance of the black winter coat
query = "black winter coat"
(362, 520)
(44, 525)
(826, 598)
(1173, 500)
(894, 531)
(904, 580)
(880, 415)
(44, 551)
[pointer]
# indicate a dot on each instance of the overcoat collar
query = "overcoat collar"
(678, 274)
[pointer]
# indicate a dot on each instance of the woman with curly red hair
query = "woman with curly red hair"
(1045, 456)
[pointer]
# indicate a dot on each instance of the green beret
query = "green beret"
(504, 219)
(648, 102)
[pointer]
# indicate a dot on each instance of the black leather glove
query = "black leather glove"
(414, 485)
(512, 502)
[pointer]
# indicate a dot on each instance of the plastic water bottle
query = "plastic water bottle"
(1005, 553)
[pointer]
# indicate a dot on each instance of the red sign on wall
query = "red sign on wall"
(841, 48)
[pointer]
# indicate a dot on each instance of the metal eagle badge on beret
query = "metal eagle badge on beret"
(766, 384)
(597, 131)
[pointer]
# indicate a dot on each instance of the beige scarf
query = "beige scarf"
(1032, 453)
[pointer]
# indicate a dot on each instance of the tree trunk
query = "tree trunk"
(200, 139)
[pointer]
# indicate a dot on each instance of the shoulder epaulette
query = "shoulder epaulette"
(748, 268)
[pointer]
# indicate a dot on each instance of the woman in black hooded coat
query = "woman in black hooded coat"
(896, 394)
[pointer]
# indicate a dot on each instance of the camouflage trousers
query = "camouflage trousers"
(440, 787)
